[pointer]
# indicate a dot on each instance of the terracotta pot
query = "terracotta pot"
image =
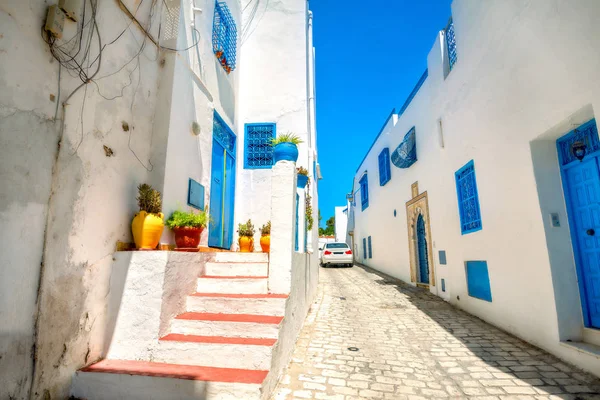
(187, 236)
(265, 243)
(246, 244)
(147, 229)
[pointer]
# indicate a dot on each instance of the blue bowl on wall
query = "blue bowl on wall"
(302, 181)
(285, 152)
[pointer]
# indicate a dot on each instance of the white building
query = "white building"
(492, 211)
(183, 95)
(341, 223)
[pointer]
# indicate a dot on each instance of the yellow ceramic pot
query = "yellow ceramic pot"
(265, 243)
(147, 229)
(246, 244)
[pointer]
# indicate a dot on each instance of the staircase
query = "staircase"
(220, 348)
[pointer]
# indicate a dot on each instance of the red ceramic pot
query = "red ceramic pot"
(187, 237)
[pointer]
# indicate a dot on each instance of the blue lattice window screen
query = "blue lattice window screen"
(586, 133)
(384, 167)
(364, 192)
(451, 44)
(468, 199)
(223, 133)
(258, 152)
(224, 37)
(370, 248)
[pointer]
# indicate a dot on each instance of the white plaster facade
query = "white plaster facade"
(517, 86)
(66, 201)
(341, 223)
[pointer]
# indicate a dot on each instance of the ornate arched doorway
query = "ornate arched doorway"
(422, 250)
(419, 239)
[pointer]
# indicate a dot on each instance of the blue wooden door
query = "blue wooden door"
(222, 187)
(422, 251)
(583, 193)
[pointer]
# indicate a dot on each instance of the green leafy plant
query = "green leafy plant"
(246, 229)
(288, 137)
(266, 229)
(180, 219)
(302, 171)
(149, 199)
(309, 216)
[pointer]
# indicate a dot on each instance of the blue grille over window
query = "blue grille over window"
(384, 167)
(224, 37)
(364, 192)
(468, 199)
(258, 152)
(370, 248)
(451, 44)
(405, 154)
(223, 134)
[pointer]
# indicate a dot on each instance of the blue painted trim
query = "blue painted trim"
(443, 285)
(458, 198)
(193, 185)
(478, 280)
(365, 248)
(377, 137)
(364, 192)
(222, 121)
(576, 250)
(385, 172)
(246, 166)
(370, 247)
(296, 245)
(414, 92)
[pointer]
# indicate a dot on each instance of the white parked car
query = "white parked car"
(336, 253)
(321, 246)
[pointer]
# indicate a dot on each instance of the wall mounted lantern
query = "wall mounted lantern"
(578, 148)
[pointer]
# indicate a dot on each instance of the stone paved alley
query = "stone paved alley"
(413, 345)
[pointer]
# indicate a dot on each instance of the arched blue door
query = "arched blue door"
(422, 251)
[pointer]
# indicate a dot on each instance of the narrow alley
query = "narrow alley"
(370, 336)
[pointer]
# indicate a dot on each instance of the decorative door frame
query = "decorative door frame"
(419, 205)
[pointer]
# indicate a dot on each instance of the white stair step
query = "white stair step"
(221, 352)
(228, 325)
(265, 305)
(239, 257)
(237, 268)
(172, 383)
(246, 285)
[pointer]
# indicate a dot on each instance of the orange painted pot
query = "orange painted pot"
(246, 244)
(265, 243)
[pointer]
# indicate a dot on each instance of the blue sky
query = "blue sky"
(369, 56)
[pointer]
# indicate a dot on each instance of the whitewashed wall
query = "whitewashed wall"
(517, 86)
(274, 88)
(341, 224)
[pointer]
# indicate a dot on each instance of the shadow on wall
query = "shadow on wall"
(489, 345)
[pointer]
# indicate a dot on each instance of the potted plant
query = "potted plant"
(265, 237)
(302, 177)
(285, 147)
(246, 240)
(187, 227)
(148, 224)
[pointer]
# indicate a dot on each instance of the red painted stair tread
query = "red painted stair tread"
(188, 372)
(232, 277)
(261, 319)
(243, 296)
(177, 337)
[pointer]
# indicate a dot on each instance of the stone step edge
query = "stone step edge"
(253, 318)
(231, 277)
(178, 337)
(242, 295)
(187, 372)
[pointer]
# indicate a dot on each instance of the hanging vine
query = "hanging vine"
(309, 210)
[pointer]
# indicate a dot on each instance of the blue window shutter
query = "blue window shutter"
(384, 166)
(468, 199)
(258, 152)
(370, 248)
(451, 44)
(365, 248)
(478, 280)
(364, 191)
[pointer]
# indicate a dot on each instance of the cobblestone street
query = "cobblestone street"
(413, 345)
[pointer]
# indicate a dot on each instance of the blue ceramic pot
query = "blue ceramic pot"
(285, 152)
(302, 181)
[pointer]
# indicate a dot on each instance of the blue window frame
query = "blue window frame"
(364, 191)
(195, 195)
(468, 199)
(258, 152)
(365, 248)
(478, 280)
(370, 248)
(385, 173)
(224, 36)
(450, 44)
